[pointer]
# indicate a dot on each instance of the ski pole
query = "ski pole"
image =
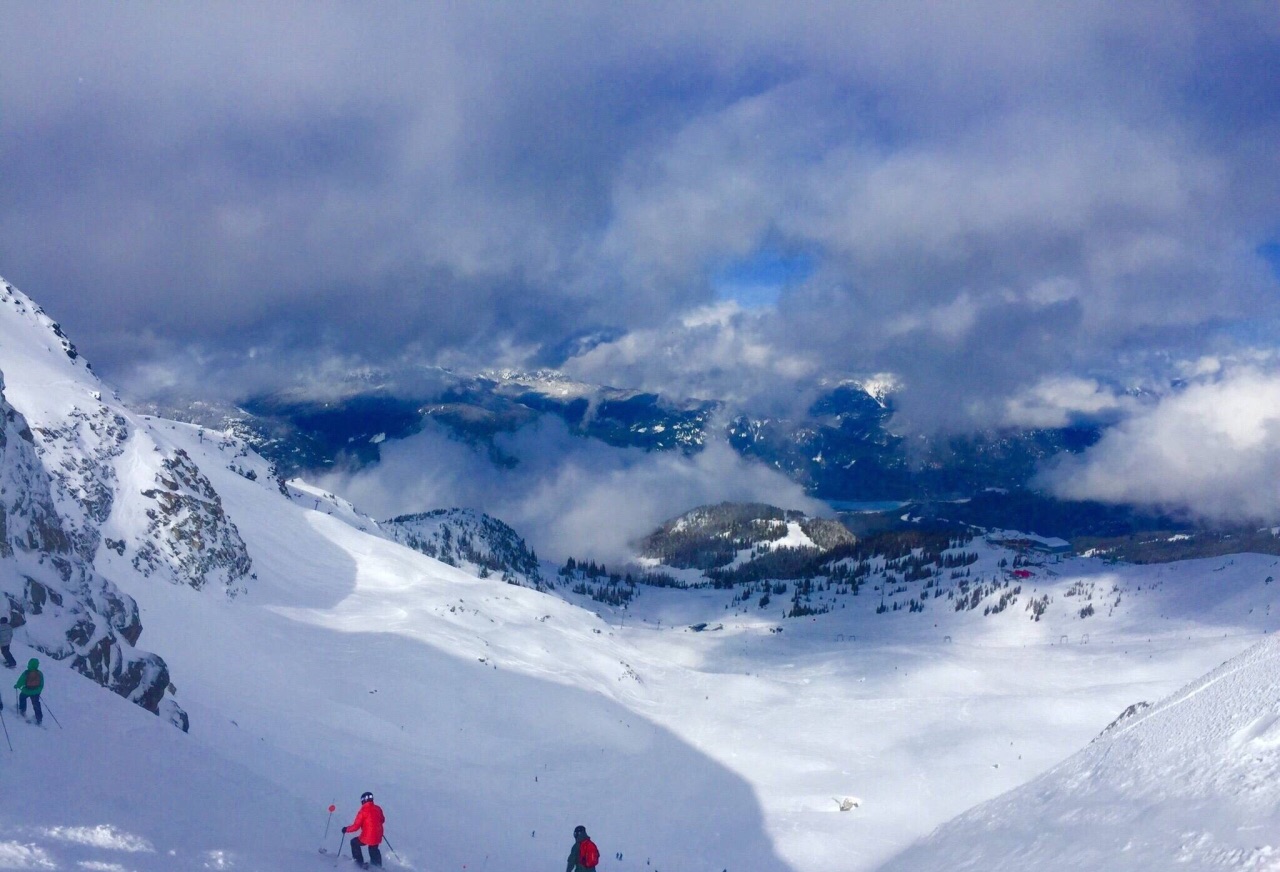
(52, 715)
(6, 731)
(391, 849)
(329, 820)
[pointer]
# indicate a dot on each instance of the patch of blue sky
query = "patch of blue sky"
(1270, 252)
(757, 281)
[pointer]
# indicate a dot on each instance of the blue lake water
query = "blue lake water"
(867, 505)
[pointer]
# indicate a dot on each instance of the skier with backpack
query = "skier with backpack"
(584, 856)
(29, 686)
(368, 823)
(6, 639)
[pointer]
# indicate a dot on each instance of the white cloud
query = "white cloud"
(1211, 451)
(567, 495)
(15, 855)
(721, 352)
(990, 193)
(1058, 402)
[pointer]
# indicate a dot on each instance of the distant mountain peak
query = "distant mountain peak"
(19, 305)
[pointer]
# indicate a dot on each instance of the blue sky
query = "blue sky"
(1004, 195)
(758, 280)
(1270, 252)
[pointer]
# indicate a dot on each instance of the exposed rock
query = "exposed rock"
(79, 456)
(190, 537)
(64, 608)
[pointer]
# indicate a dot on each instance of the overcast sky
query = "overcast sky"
(1019, 209)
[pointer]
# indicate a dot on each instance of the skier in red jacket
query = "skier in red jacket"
(584, 855)
(368, 823)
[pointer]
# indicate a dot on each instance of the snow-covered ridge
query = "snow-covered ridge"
(550, 383)
(114, 499)
(39, 330)
(116, 474)
(53, 598)
(1192, 782)
(470, 540)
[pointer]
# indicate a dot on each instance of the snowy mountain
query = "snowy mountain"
(471, 540)
(119, 484)
(61, 488)
(308, 430)
(1192, 782)
(712, 537)
(477, 543)
(64, 609)
(689, 727)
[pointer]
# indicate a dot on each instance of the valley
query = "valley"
(758, 690)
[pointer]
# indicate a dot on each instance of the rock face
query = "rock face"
(79, 457)
(469, 540)
(51, 593)
(189, 536)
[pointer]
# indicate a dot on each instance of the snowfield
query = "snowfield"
(1189, 783)
(489, 719)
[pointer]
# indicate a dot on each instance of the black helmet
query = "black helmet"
(579, 831)
(366, 797)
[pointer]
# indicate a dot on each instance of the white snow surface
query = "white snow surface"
(490, 719)
(1190, 783)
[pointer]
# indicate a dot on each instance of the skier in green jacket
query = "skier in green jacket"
(29, 685)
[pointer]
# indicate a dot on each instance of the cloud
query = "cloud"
(1210, 451)
(567, 495)
(1063, 401)
(992, 195)
(719, 351)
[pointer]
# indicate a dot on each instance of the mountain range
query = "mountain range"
(843, 448)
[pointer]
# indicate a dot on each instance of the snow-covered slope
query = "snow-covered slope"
(112, 499)
(479, 544)
(52, 595)
(1192, 782)
(114, 475)
(317, 659)
(488, 717)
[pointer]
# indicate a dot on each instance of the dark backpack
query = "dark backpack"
(33, 678)
(588, 854)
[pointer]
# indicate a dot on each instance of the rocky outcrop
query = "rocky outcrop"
(189, 536)
(79, 457)
(49, 590)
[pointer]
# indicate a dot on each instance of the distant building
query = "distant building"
(1029, 542)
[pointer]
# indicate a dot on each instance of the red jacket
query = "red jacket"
(368, 822)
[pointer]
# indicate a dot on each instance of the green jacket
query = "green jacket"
(33, 665)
